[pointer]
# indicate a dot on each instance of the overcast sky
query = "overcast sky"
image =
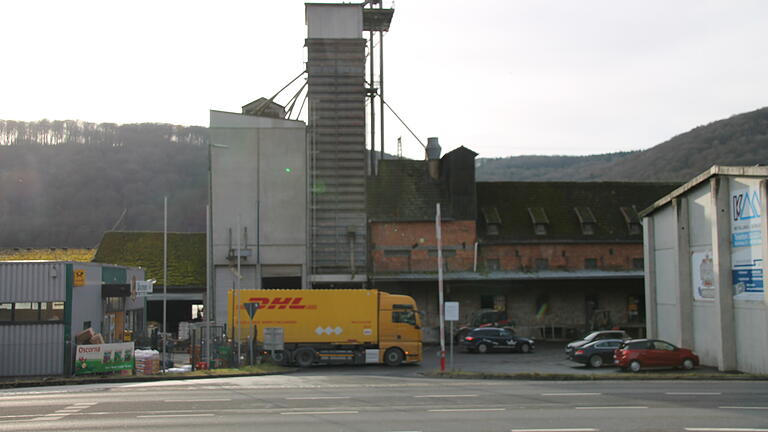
(504, 78)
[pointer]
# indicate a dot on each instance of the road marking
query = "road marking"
(694, 393)
(319, 412)
(571, 394)
(556, 430)
(744, 408)
(87, 404)
(197, 400)
(467, 410)
(611, 407)
(175, 415)
(46, 418)
(317, 397)
(726, 430)
(68, 410)
(446, 396)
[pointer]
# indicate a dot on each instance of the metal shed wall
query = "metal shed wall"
(31, 349)
(32, 281)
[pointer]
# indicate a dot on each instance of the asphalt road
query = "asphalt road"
(323, 401)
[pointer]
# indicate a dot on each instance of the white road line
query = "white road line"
(317, 397)
(467, 410)
(46, 418)
(571, 394)
(744, 407)
(556, 430)
(726, 430)
(175, 415)
(86, 403)
(67, 411)
(197, 400)
(611, 407)
(446, 396)
(319, 412)
(694, 393)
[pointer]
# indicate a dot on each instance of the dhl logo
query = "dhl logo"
(281, 303)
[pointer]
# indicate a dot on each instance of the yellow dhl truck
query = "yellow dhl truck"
(336, 326)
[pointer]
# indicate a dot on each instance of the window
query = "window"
(26, 312)
(447, 253)
(638, 263)
(486, 302)
(659, 345)
(586, 219)
(404, 316)
(493, 264)
(6, 311)
(397, 253)
(52, 311)
(539, 219)
(542, 264)
(590, 263)
(31, 311)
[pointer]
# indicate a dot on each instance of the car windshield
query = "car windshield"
(591, 336)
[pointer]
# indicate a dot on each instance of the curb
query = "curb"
(598, 377)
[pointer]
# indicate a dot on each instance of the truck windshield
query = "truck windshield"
(404, 316)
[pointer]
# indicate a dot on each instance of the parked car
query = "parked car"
(482, 318)
(595, 336)
(596, 353)
(483, 340)
(639, 354)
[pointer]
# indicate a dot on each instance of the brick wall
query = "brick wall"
(412, 246)
(523, 257)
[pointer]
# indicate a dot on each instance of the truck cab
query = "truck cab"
(399, 330)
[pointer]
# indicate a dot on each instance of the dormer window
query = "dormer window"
(539, 220)
(634, 225)
(586, 219)
(492, 220)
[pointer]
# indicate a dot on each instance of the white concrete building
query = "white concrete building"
(704, 246)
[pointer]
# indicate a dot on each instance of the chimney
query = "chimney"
(433, 157)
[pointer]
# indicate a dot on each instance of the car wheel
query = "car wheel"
(596, 361)
(304, 357)
(634, 366)
(482, 348)
(525, 348)
(688, 364)
(393, 357)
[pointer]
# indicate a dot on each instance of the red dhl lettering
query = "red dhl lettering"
(280, 303)
(87, 349)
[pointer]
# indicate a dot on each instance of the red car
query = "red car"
(639, 354)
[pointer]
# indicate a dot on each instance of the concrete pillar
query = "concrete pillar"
(684, 283)
(725, 327)
(649, 246)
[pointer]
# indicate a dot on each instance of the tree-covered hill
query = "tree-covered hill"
(739, 140)
(63, 183)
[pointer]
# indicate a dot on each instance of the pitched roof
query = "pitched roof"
(186, 255)
(46, 254)
(404, 191)
(562, 202)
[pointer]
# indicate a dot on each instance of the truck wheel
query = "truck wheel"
(393, 357)
(278, 356)
(304, 357)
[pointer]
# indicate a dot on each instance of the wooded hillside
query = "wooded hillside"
(63, 183)
(739, 140)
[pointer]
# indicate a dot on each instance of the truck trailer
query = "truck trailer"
(329, 326)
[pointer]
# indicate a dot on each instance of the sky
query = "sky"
(503, 78)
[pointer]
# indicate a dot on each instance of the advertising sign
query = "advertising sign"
(746, 240)
(79, 277)
(451, 311)
(103, 358)
(703, 275)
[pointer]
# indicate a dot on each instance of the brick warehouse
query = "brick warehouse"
(558, 257)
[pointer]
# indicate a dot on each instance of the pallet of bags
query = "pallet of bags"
(147, 362)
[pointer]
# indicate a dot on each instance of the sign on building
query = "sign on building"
(746, 240)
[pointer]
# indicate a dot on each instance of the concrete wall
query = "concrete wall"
(696, 253)
(259, 176)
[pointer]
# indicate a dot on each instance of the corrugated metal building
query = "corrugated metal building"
(43, 304)
(704, 277)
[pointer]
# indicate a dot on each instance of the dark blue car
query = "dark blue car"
(597, 353)
(483, 340)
